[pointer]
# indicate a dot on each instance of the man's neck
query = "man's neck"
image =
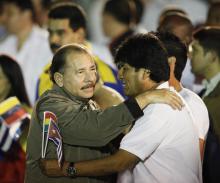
(176, 84)
(153, 86)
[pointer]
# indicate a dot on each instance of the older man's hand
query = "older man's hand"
(50, 167)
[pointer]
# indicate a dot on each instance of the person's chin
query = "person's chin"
(88, 95)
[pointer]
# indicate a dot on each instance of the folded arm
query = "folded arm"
(118, 162)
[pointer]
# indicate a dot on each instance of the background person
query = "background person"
(177, 53)
(67, 24)
(206, 62)
(27, 42)
(12, 163)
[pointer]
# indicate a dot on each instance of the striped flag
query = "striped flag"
(51, 132)
(54, 135)
(12, 119)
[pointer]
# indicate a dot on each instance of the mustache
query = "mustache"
(89, 85)
(54, 46)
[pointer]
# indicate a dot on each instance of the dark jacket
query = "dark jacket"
(211, 162)
(85, 132)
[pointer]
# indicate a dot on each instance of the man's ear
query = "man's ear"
(58, 78)
(172, 63)
(146, 74)
(213, 56)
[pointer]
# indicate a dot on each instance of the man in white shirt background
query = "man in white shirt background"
(206, 62)
(28, 43)
(163, 145)
(177, 53)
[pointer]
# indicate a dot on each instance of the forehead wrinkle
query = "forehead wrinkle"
(73, 54)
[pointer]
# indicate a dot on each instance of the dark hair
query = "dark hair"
(175, 47)
(59, 59)
(145, 51)
(139, 10)
(46, 4)
(209, 38)
(13, 72)
(125, 11)
(71, 11)
(169, 11)
(22, 4)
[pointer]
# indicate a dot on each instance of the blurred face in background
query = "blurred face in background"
(15, 18)
(5, 85)
(107, 21)
(200, 59)
(112, 28)
(60, 34)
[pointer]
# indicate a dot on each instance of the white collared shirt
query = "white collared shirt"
(199, 111)
(32, 57)
(166, 142)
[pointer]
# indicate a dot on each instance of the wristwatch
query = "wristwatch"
(71, 170)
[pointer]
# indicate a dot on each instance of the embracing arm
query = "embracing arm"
(96, 128)
(159, 96)
(86, 127)
(118, 162)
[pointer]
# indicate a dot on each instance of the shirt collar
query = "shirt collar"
(213, 80)
(211, 84)
(163, 85)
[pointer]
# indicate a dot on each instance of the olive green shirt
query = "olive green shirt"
(85, 133)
